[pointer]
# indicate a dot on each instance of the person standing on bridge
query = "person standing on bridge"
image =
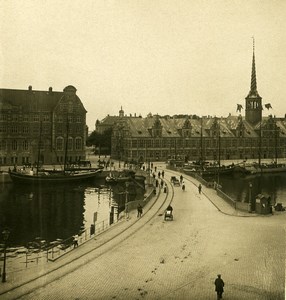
(200, 188)
(139, 210)
(219, 285)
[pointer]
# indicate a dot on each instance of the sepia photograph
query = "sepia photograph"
(142, 149)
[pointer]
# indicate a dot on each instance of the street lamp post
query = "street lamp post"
(249, 201)
(5, 234)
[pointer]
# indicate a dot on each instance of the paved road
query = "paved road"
(180, 259)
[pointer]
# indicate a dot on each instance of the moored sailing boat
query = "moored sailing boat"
(52, 176)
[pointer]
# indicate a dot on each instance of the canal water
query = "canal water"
(56, 211)
(238, 187)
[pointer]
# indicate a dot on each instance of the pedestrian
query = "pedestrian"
(219, 285)
(155, 169)
(181, 179)
(75, 241)
(157, 183)
(183, 186)
(162, 183)
(139, 210)
(200, 188)
(163, 173)
(151, 165)
(159, 174)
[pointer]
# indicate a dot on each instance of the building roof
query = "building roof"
(31, 100)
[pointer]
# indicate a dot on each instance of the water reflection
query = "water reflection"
(59, 211)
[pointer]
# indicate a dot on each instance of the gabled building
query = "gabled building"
(45, 126)
(208, 138)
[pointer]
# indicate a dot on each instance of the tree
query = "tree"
(102, 140)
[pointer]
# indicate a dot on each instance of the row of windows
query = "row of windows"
(166, 143)
(76, 144)
(197, 153)
(36, 129)
(39, 117)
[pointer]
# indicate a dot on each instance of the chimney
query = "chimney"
(135, 115)
(50, 89)
(30, 88)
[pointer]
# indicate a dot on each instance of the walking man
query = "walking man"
(219, 284)
(75, 241)
(200, 188)
(139, 210)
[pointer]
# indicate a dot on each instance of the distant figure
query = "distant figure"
(159, 174)
(163, 173)
(219, 284)
(162, 183)
(181, 178)
(75, 241)
(155, 169)
(139, 210)
(170, 208)
(183, 186)
(151, 165)
(200, 188)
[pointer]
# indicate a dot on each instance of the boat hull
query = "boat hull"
(42, 178)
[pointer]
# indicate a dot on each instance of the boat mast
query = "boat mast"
(39, 148)
(218, 152)
(276, 137)
(66, 145)
(201, 160)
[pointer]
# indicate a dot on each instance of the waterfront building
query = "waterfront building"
(191, 137)
(41, 126)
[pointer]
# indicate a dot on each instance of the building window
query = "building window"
(25, 145)
(14, 145)
(78, 144)
(25, 129)
(157, 143)
(46, 118)
(25, 118)
(60, 143)
(78, 119)
(14, 129)
(36, 118)
(3, 145)
(78, 129)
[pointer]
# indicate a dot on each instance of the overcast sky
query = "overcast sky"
(158, 56)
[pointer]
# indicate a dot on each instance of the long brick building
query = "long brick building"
(193, 138)
(41, 126)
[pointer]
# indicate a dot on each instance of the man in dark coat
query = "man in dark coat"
(219, 284)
